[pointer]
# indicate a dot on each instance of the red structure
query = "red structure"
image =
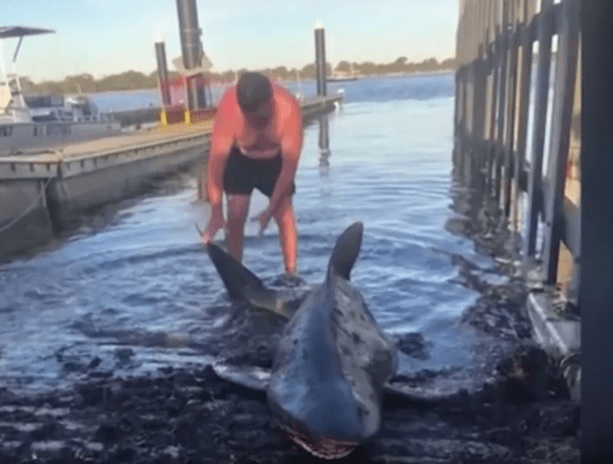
(176, 111)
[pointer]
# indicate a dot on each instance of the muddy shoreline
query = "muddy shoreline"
(193, 416)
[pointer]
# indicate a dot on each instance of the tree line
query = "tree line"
(134, 80)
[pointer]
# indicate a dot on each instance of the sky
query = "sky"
(105, 37)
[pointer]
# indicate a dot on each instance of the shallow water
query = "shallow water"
(134, 290)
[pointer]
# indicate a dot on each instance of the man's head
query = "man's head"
(254, 94)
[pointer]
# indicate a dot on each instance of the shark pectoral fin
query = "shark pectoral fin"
(346, 250)
(271, 300)
(252, 377)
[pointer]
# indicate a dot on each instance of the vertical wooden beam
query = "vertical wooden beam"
(479, 97)
(509, 142)
(493, 59)
(596, 291)
(540, 119)
(566, 71)
(456, 121)
(502, 92)
(458, 117)
(524, 105)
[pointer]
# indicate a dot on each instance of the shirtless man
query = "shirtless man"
(256, 143)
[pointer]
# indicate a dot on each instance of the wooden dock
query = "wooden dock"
(42, 192)
(499, 45)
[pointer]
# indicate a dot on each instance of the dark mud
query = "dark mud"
(193, 416)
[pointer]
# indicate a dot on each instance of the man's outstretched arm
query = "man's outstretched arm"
(222, 139)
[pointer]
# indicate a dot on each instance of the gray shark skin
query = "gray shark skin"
(333, 360)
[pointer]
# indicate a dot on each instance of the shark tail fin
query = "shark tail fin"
(244, 285)
(238, 280)
(345, 252)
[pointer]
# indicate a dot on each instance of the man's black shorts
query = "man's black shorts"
(242, 174)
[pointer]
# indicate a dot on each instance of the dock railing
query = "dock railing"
(518, 135)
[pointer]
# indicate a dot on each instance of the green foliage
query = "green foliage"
(132, 80)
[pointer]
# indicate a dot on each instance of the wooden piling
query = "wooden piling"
(527, 38)
(540, 118)
(492, 59)
(509, 138)
(566, 68)
(502, 89)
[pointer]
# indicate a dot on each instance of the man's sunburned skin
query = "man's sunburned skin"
(273, 130)
(259, 143)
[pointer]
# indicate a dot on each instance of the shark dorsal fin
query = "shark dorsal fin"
(345, 252)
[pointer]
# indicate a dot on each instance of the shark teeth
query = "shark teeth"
(323, 448)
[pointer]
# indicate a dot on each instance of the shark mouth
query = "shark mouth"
(324, 448)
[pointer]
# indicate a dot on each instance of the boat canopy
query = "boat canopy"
(20, 31)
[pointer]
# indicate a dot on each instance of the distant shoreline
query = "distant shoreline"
(56, 88)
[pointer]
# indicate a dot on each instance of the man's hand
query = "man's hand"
(216, 222)
(265, 219)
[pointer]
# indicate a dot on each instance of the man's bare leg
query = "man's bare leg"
(287, 235)
(238, 208)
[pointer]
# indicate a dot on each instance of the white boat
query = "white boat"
(339, 76)
(36, 123)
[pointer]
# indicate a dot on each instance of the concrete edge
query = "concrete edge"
(551, 330)
(560, 334)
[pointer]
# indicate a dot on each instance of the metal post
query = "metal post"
(191, 49)
(160, 55)
(320, 59)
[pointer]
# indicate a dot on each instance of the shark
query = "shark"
(326, 385)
